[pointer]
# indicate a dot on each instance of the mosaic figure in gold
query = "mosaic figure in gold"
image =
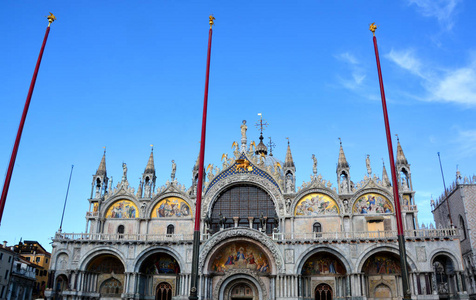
(372, 204)
(122, 209)
(171, 207)
(316, 204)
(240, 255)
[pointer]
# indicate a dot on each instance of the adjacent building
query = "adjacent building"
(33, 252)
(263, 236)
(6, 263)
(457, 208)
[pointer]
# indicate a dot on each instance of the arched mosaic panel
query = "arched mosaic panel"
(106, 264)
(239, 255)
(171, 207)
(323, 264)
(372, 204)
(316, 204)
(160, 263)
(122, 209)
(382, 263)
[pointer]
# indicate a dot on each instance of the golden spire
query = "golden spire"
(211, 18)
(51, 18)
(373, 27)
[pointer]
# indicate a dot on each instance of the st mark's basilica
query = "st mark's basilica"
(262, 236)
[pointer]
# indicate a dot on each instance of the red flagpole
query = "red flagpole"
(196, 233)
(8, 178)
(396, 197)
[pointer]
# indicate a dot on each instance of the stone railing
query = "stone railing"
(411, 235)
(122, 237)
(368, 235)
(409, 208)
(92, 214)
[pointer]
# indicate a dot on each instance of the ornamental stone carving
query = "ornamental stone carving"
(242, 232)
(233, 273)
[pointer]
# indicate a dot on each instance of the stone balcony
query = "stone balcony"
(306, 237)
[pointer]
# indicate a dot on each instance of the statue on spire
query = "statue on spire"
(124, 172)
(314, 165)
(174, 168)
(367, 164)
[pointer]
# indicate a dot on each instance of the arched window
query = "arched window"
(251, 205)
(120, 231)
(111, 287)
(317, 229)
(170, 229)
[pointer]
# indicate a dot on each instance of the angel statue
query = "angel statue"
(174, 168)
(314, 165)
(367, 164)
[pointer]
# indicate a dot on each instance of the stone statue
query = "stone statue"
(344, 186)
(139, 188)
(262, 221)
(404, 184)
(346, 205)
(314, 165)
(221, 221)
(174, 168)
(124, 172)
(367, 163)
(288, 204)
(243, 130)
(147, 190)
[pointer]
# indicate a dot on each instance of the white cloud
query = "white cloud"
(406, 60)
(348, 57)
(457, 85)
(442, 10)
(357, 73)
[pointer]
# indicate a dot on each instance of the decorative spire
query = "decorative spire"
(289, 158)
(342, 161)
(401, 160)
(271, 145)
(102, 165)
(385, 179)
(150, 168)
(261, 148)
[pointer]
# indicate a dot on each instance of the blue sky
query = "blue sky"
(127, 74)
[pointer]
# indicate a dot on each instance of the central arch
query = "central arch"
(233, 281)
(243, 205)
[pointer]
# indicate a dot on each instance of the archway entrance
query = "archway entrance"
(323, 292)
(326, 269)
(105, 274)
(163, 291)
(240, 289)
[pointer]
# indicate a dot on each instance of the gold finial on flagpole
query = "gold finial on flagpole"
(211, 18)
(373, 27)
(51, 18)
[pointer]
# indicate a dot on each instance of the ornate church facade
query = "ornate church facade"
(262, 236)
